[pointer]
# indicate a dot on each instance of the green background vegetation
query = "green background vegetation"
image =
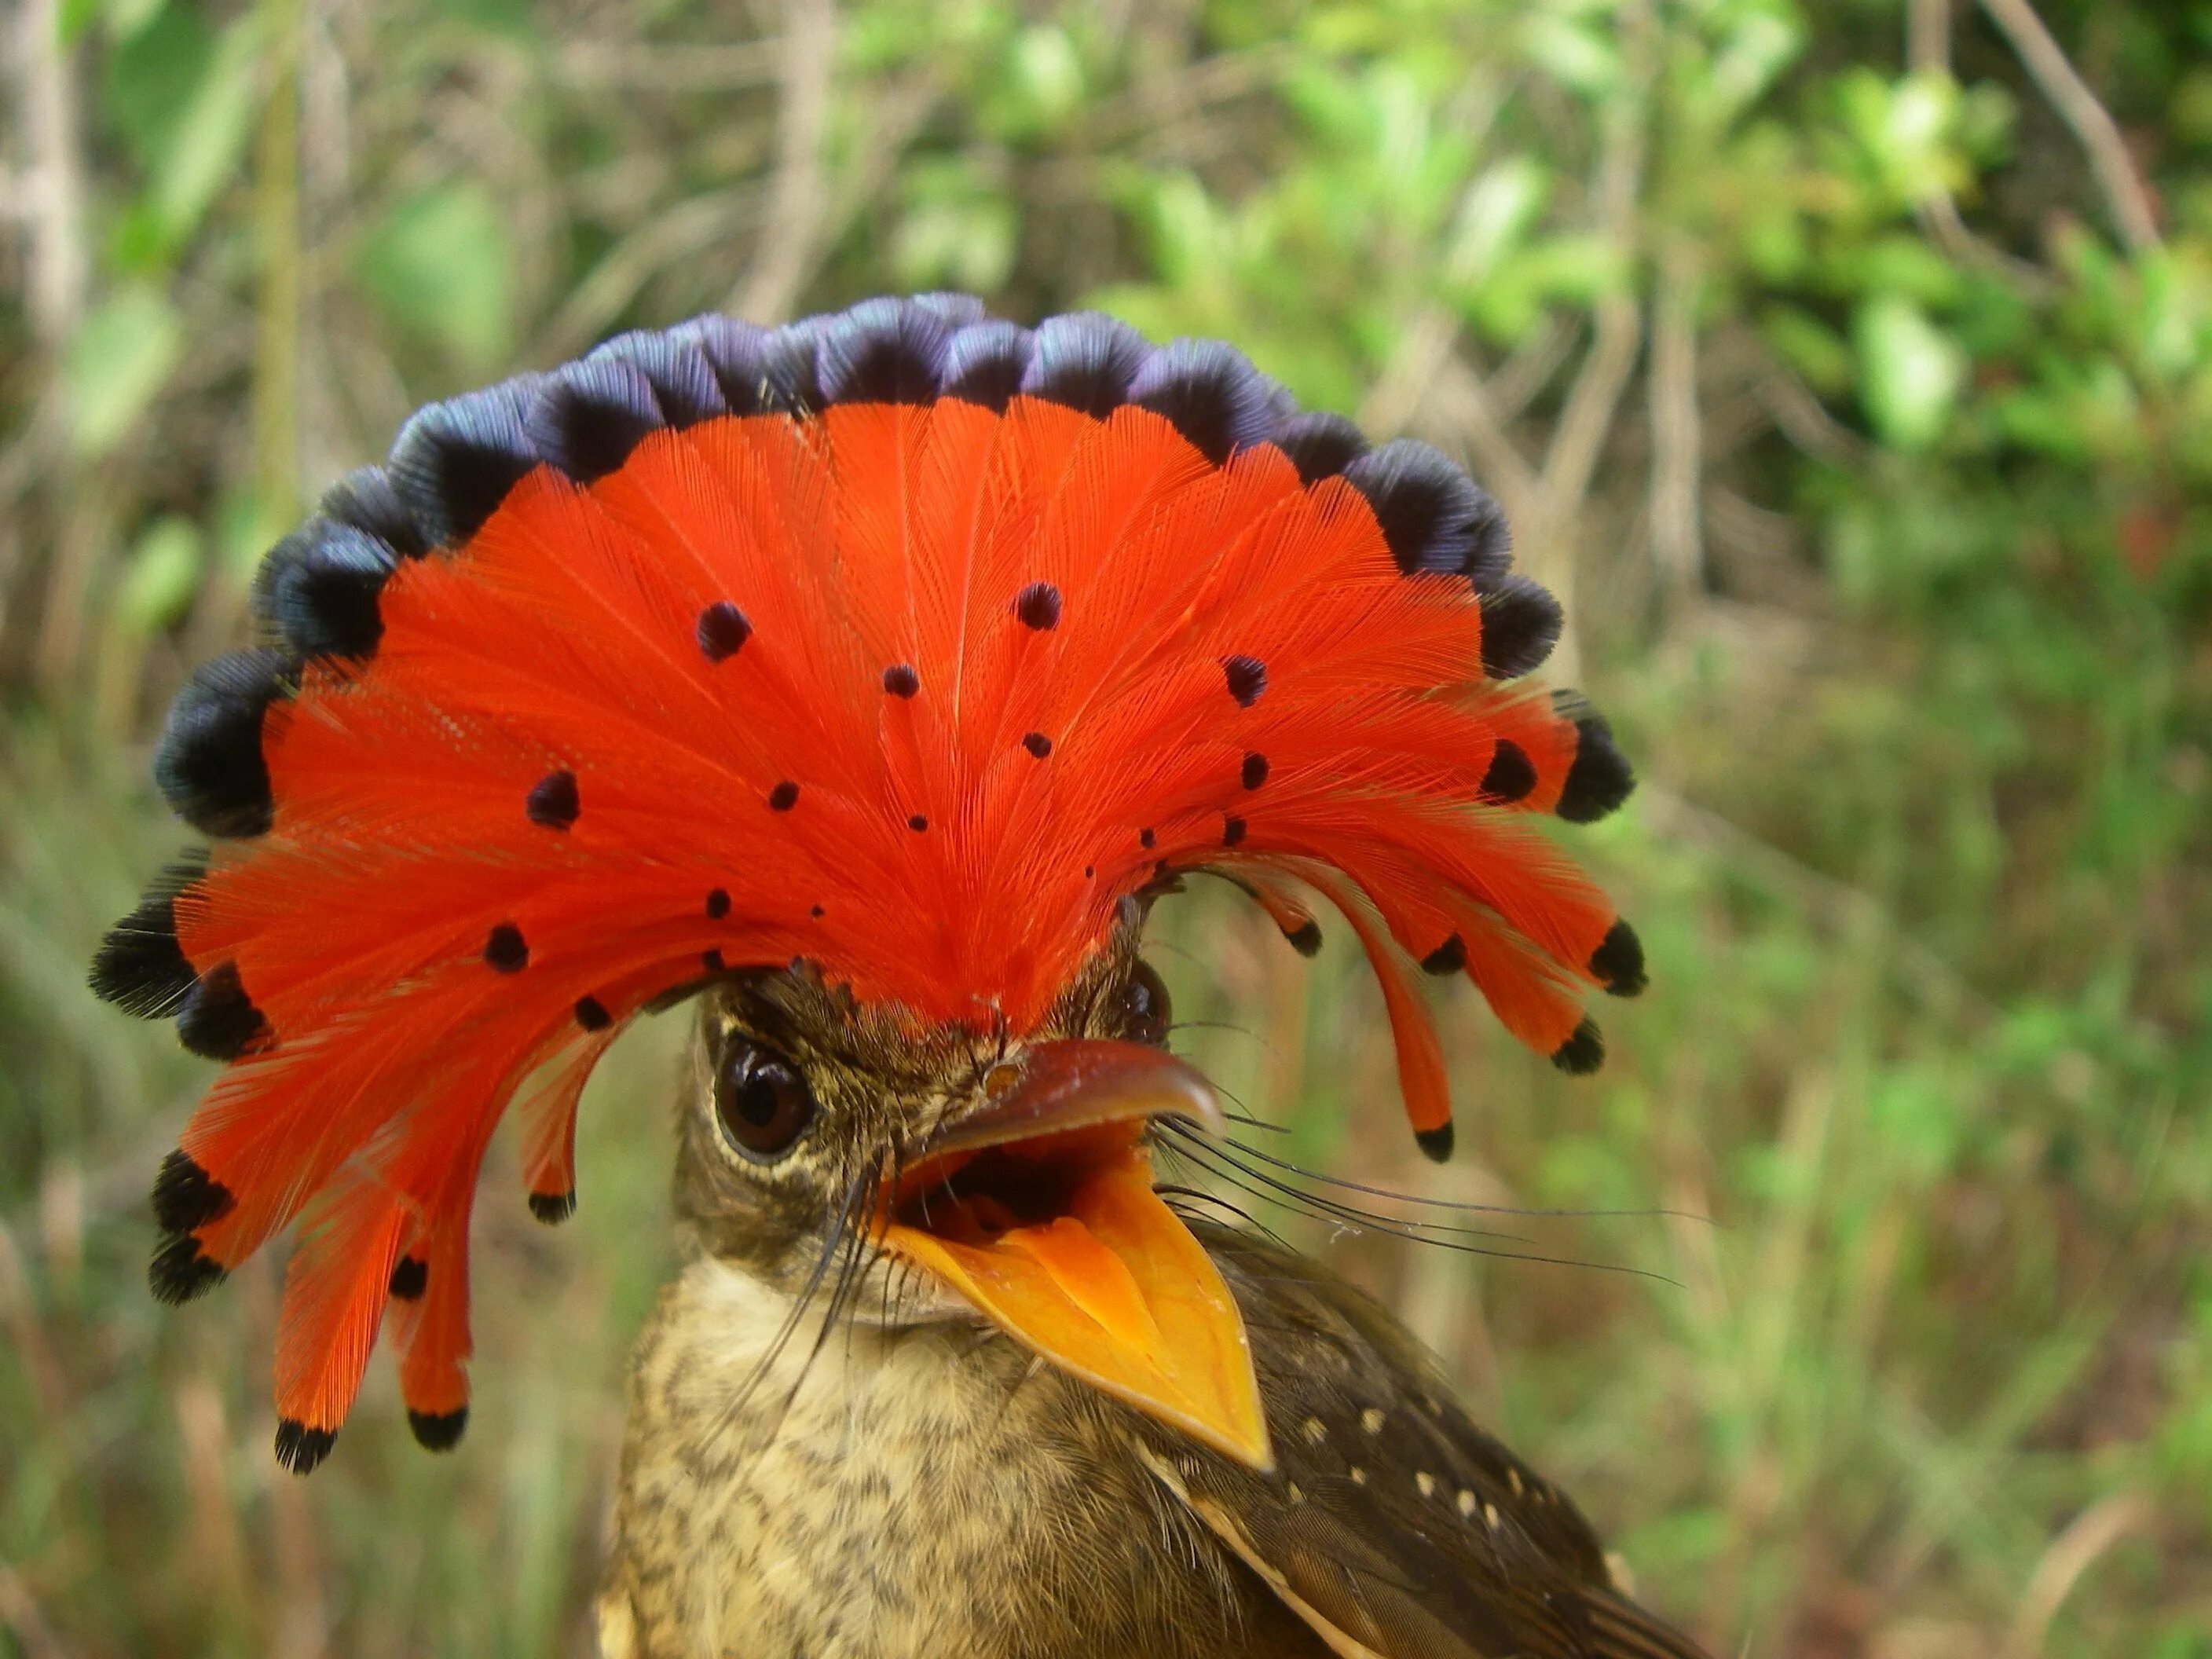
(1846, 364)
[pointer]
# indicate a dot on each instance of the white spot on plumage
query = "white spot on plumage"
(1371, 1420)
(1358, 1475)
(1315, 1430)
(1426, 1482)
(1466, 1501)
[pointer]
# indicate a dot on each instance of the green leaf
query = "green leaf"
(162, 576)
(1498, 208)
(201, 153)
(441, 267)
(1911, 372)
(122, 356)
(151, 77)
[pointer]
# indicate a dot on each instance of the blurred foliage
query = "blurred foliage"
(1851, 379)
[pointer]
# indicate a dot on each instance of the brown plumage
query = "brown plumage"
(852, 1462)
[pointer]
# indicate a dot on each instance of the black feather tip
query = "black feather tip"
(1582, 1052)
(140, 967)
(438, 1431)
(1617, 961)
(1436, 1144)
(218, 1021)
(208, 763)
(553, 1208)
(1599, 780)
(186, 1197)
(180, 1272)
(300, 1447)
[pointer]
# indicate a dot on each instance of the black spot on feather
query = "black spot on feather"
(1247, 677)
(552, 802)
(186, 1197)
(718, 903)
(218, 1021)
(1145, 838)
(410, 1277)
(454, 462)
(505, 949)
(1449, 958)
(1433, 516)
(1305, 938)
(1084, 360)
(721, 631)
(1319, 444)
(783, 797)
(1435, 1144)
(1582, 1052)
(712, 961)
(438, 1431)
(208, 764)
(1510, 775)
(588, 417)
(1254, 772)
(1037, 743)
(1232, 831)
(1599, 780)
(984, 363)
(884, 351)
(900, 681)
(918, 823)
(318, 589)
(300, 1447)
(553, 1208)
(1617, 961)
(1038, 606)
(181, 1272)
(1211, 393)
(592, 1014)
(140, 967)
(1520, 623)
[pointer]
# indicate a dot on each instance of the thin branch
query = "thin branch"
(2126, 197)
(1927, 52)
(691, 227)
(1677, 439)
(2084, 1538)
(51, 195)
(690, 66)
(791, 234)
(1528, 367)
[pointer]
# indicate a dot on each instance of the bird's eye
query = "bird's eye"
(760, 1099)
(1144, 1015)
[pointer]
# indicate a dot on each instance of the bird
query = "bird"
(862, 684)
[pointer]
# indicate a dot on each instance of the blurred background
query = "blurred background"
(1846, 365)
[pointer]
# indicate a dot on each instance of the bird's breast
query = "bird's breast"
(923, 1490)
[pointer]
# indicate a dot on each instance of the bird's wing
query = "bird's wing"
(1392, 1525)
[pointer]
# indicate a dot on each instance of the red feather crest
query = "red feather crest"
(905, 642)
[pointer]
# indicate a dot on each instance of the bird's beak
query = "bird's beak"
(1039, 1209)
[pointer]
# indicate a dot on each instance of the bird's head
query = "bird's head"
(961, 1171)
(864, 680)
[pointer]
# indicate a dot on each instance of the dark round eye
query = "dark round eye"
(760, 1099)
(1144, 1013)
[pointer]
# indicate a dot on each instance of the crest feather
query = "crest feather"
(907, 643)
